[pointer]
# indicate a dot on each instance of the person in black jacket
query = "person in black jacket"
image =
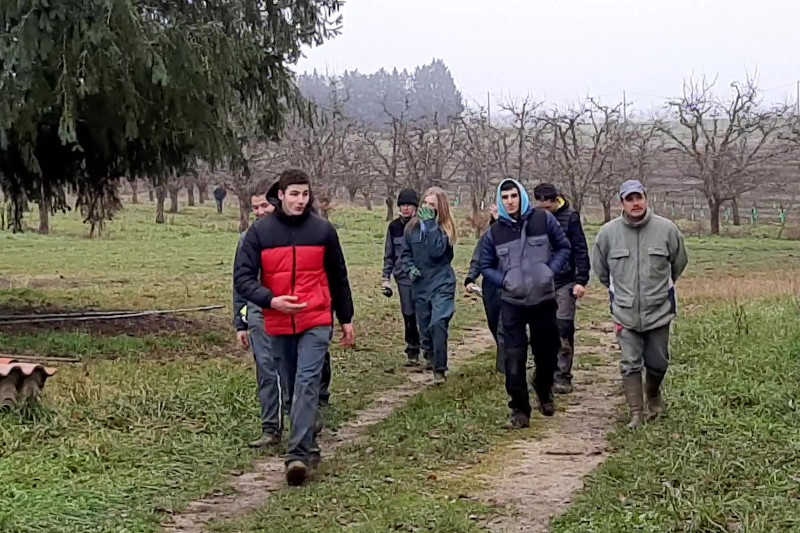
(490, 294)
(570, 282)
(408, 202)
(291, 264)
(219, 196)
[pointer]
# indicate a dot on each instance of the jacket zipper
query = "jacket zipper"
(638, 296)
(294, 282)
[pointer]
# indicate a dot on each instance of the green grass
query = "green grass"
(149, 421)
(118, 443)
(727, 457)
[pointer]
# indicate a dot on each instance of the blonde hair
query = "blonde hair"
(445, 217)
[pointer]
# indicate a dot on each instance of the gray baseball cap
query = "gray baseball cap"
(630, 187)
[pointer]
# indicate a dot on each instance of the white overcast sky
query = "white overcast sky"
(562, 50)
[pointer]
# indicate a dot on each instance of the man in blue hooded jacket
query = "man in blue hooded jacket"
(520, 254)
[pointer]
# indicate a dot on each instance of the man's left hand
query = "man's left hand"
(579, 291)
(348, 336)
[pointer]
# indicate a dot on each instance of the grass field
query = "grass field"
(159, 411)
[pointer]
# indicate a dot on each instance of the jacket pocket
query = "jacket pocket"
(514, 283)
(660, 266)
(622, 300)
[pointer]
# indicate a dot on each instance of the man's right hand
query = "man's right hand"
(287, 305)
(241, 336)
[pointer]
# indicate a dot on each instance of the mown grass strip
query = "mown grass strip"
(727, 457)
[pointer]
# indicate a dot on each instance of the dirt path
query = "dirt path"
(251, 490)
(541, 475)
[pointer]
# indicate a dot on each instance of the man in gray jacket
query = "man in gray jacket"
(639, 257)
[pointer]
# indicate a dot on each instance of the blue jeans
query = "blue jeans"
(304, 355)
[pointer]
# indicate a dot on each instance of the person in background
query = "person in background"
(639, 256)
(490, 294)
(521, 254)
(219, 195)
(427, 257)
(407, 202)
(249, 323)
(570, 282)
(291, 264)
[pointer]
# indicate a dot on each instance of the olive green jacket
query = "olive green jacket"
(639, 263)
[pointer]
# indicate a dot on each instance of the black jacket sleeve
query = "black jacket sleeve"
(580, 249)
(388, 256)
(247, 269)
(474, 265)
(238, 301)
(339, 284)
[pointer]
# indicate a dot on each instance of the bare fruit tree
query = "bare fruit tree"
(485, 155)
(722, 145)
(527, 130)
(386, 150)
(431, 153)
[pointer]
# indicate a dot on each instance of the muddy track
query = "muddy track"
(251, 490)
(540, 476)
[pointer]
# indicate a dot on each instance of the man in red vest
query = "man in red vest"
(292, 265)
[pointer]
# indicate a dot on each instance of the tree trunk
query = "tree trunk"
(44, 215)
(134, 191)
(606, 211)
(737, 221)
(244, 210)
(367, 200)
(389, 209)
(150, 193)
(474, 201)
(161, 196)
(713, 212)
(190, 192)
(202, 191)
(352, 191)
(173, 199)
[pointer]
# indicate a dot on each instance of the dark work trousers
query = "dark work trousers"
(491, 305)
(544, 342)
(409, 321)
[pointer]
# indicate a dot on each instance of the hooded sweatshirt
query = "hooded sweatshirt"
(521, 253)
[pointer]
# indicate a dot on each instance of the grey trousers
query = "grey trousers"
(565, 316)
(305, 358)
(268, 378)
(647, 349)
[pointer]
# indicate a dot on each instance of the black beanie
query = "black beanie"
(408, 197)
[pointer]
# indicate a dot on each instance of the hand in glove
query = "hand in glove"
(386, 288)
(414, 274)
(425, 213)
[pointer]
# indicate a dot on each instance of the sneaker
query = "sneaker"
(439, 378)
(518, 420)
(562, 387)
(267, 439)
(296, 473)
(411, 361)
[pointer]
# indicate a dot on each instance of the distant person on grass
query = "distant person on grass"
(570, 283)
(291, 264)
(521, 254)
(639, 257)
(427, 258)
(407, 202)
(219, 196)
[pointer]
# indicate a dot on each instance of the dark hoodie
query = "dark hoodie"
(576, 270)
(391, 251)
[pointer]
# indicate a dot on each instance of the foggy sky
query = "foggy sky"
(562, 50)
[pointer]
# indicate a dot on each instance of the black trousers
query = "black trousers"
(545, 344)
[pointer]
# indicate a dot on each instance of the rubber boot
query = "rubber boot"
(633, 394)
(652, 390)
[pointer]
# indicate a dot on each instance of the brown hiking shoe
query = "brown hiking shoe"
(267, 439)
(633, 395)
(652, 390)
(518, 420)
(296, 473)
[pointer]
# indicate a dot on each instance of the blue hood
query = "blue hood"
(524, 201)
